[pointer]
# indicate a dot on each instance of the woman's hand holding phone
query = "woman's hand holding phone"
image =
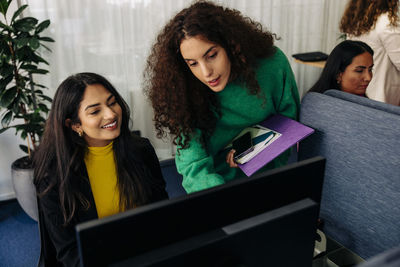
(241, 146)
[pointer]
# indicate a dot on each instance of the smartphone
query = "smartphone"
(242, 145)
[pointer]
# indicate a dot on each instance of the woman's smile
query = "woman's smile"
(110, 126)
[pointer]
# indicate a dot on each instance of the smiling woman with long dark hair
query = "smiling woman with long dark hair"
(89, 165)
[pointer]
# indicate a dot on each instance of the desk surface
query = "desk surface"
(319, 64)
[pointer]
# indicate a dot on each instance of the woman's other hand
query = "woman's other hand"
(230, 160)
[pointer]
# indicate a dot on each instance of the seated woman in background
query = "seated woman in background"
(89, 165)
(348, 68)
(377, 24)
(212, 73)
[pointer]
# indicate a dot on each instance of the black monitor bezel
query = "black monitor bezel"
(114, 238)
(262, 240)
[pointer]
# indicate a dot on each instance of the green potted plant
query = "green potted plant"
(23, 104)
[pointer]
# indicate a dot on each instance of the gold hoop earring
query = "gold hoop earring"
(80, 133)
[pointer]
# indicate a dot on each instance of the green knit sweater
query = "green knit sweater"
(205, 167)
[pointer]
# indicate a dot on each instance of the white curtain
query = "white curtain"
(113, 37)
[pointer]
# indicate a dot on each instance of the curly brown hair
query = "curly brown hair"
(360, 15)
(180, 101)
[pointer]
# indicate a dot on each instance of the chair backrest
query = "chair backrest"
(390, 258)
(361, 193)
(172, 178)
(363, 101)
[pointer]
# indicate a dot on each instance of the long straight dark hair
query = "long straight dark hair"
(59, 160)
(340, 57)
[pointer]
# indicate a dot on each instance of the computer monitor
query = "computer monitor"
(133, 233)
(280, 237)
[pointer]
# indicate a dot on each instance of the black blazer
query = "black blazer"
(58, 243)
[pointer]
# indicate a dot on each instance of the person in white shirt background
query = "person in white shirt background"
(377, 24)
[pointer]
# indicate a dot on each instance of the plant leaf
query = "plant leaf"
(24, 98)
(43, 108)
(34, 43)
(4, 6)
(21, 42)
(39, 85)
(28, 67)
(23, 134)
(43, 25)
(24, 148)
(19, 11)
(25, 24)
(39, 71)
(6, 70)
(6, 119)
(15, 108)
(46, 39)
(45, 97)
(40, 59)
(4, 47)
(8, 97)
(5, 26)
(23, 36)
(4, 82)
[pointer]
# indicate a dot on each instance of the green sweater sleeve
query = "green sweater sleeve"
(197, 166)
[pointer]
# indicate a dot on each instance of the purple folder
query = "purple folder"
(292, 132)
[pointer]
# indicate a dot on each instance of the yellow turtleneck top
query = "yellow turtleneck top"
(100, 165)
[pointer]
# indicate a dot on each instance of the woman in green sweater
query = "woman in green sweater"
(212, 73)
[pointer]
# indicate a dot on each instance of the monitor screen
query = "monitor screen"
(116, 238)
(280, 237)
